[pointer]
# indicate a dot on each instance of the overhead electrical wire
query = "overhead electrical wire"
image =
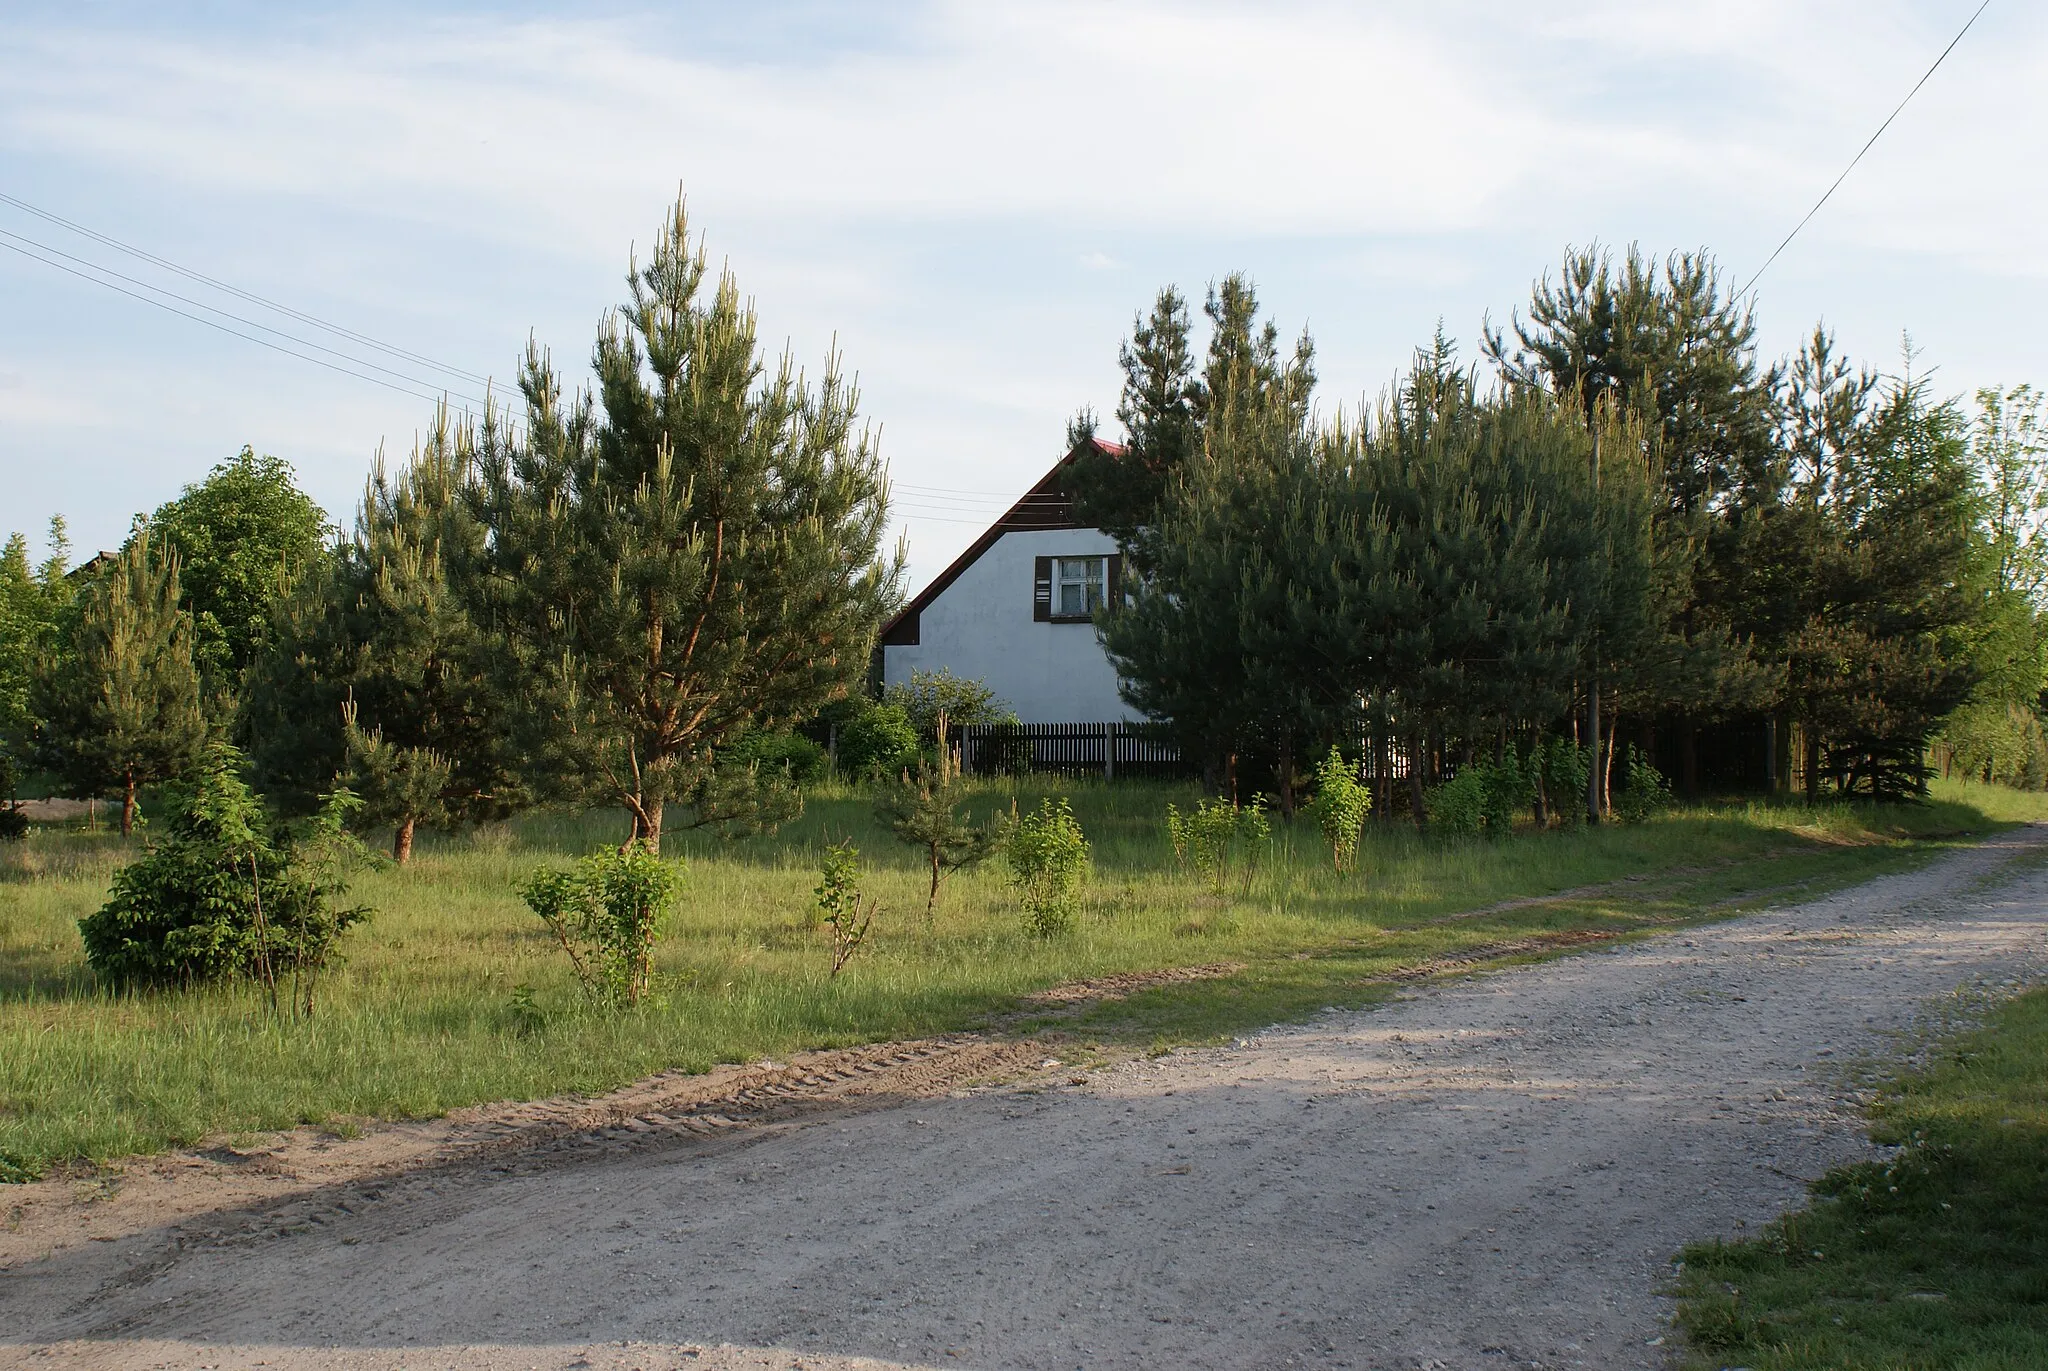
(216, 324)
(90, 266)
(939, 504)
(338, 330)
(1865, 148)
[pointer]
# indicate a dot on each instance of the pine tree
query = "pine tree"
(922, 809)
(377, 673)
(33, 600)
(123, 707)
(692, 554)
(1666, 342)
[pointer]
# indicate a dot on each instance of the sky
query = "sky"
(970, 201)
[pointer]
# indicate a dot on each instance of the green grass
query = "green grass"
(1937, 1258)
(421, 1017)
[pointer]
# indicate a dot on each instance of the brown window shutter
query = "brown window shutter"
(1115, 588)
(1041, 591)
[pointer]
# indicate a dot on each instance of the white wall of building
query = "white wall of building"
(981, 627)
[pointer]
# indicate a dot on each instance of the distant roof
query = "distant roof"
(1044, 507)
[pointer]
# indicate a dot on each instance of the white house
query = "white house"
(1014, 612)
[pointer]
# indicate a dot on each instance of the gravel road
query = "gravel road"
(1492, 1172)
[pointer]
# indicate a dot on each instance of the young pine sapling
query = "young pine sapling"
(922, 808)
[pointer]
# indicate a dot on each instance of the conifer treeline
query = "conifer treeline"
(596, 597)
(1634, 509)
(587, 600)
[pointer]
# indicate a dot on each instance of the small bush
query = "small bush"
(1457, 808)
(1340, 807)
(1510, 787)
(936, 700)
(225, 894)
(13, 824)
(879, 741)
(1048, 859)
(1564, 765)
(791, 755)
(841, 906)
(1219, 838)
(607, 914)
(1645, 791)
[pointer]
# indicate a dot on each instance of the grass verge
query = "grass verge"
(454, 994)
(1937, 1257)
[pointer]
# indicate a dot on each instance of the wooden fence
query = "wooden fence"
(1128, 751)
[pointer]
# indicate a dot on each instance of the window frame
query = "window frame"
(1100, 564)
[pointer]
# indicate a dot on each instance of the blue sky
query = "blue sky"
(973, 199)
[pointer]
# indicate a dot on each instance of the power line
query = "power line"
(250, 296)
(215, 324)
(91, 266)
(1865, 148)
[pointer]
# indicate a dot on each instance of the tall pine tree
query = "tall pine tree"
(122, 706)
(693, 554)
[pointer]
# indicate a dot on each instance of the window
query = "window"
(1079, 586)
(1068, 590)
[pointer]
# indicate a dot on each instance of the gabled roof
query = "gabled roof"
(1044, 507)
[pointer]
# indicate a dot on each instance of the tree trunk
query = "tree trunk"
(1383, 776)
(1417, 760)
(1811, 736)
(1688, 757)
(401, 840)
(128, 807)
(646, 823)
(1596, 786)
(1606, 771)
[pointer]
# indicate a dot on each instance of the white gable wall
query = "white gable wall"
(981, 627)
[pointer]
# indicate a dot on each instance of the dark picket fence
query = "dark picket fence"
(1112, 751)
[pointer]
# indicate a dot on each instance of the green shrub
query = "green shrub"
(878, 741)
(1340, 807)
(1048, 858)
(841, 906)
(930, 696)
(1457, 808)
(791, 755)
(1220, 837)
(1564, 765)
(1644, 792)
(224, 893)
(13, 823)
(607, 914)
(1509, 787)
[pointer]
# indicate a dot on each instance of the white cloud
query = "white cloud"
(977, 210)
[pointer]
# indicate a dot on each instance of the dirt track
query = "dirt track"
(1491, 1173)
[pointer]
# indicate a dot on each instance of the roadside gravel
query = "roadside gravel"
(1491, 1172)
